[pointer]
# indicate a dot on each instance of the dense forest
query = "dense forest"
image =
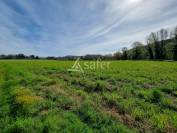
(160, 45)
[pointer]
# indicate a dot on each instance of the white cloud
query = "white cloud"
(80, 27)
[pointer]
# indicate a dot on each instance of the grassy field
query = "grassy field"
(130, 96)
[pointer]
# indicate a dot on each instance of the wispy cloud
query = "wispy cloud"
(79, 27)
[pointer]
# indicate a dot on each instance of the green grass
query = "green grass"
(131, 96)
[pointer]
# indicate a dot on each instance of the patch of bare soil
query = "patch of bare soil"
(125, 118)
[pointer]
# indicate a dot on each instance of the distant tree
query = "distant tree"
(137, 51)
(107, 57)
(92, 57)
(150, 49)
(31, 57)
(36, 57)
(124, 53)
(10, 56)
(2, 56)
(175, 44)
(51, 58)
(117, 56)
(163, 34)
(20, 56)
(171, 36)
(154, 39)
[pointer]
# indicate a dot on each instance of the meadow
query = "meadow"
(41, 96)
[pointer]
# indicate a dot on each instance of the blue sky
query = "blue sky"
(79, 27)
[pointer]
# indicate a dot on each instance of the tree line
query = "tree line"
(18, 56)
(160, 45)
